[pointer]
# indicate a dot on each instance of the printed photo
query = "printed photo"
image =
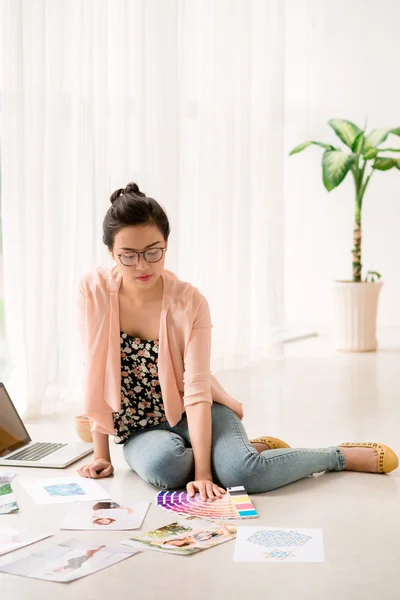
(68, 561)
(8, 501)
(6, 476)
(64, 489)
(69, 489)
(13, 539)
(106, 515)
(184, 537)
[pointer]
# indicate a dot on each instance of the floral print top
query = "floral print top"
(141, 400)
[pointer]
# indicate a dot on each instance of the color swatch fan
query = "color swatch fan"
(235, 504)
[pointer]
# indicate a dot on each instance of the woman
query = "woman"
(204, 538)
(76, 562)
(146, 338)
(106, 513)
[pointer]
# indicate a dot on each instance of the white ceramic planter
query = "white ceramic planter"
(356, 307)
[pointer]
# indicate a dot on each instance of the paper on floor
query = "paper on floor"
(278, 544)
(6, 476)
(13, 539)
(8, 501)
(68, 561)
(64, 489)
(183, 537)
(106, 515)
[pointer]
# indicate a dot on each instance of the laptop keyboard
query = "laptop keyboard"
(36, 451)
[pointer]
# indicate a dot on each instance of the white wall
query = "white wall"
(342, 61)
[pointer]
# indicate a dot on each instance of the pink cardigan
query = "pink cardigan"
(184, 350)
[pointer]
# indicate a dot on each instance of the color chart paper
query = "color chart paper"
(235, 504)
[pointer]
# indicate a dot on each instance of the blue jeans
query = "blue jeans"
(162, 456)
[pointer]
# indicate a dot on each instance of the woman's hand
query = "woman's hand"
(206, 488)
(100, 467)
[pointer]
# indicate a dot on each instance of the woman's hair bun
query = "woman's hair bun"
(133, 188)
(115, 195)
(131, 207)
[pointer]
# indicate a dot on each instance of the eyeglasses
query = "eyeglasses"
(131, 259)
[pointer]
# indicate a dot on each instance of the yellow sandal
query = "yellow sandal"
(273, 443)
(387, 459)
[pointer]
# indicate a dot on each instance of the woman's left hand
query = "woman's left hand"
(206, 488)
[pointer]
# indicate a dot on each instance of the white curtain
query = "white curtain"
(184, 97)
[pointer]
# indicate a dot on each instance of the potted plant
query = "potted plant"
(356, 301)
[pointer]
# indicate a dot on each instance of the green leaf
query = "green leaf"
(383, 164)
(358, 143)
(388, 149)
(305, 145)
(377, 136)
(372, 275)
(370, 153)
(335, 165)
(345, 130)
(396, 163)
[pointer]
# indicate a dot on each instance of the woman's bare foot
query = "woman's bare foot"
(260, 447)
(361, 459)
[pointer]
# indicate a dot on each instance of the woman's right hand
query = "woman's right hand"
(100, 467)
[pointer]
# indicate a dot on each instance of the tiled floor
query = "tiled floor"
(313, 397)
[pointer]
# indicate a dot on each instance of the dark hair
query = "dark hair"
(130, 206)
(99, 521)
(105, 505)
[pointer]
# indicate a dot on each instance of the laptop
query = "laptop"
(18, 450)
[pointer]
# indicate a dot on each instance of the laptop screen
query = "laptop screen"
(13, 434)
